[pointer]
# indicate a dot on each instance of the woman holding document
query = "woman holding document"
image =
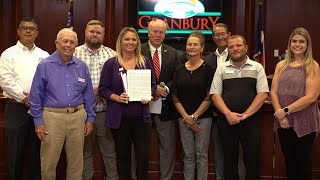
(128, 120)
(190, 94)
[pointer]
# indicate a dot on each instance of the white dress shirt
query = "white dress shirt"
(17, 67)
(221, 57)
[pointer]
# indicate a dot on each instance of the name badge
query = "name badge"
(81, 80)
(229, 71)
(40, 59)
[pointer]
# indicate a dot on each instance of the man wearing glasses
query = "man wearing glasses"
(17, 68)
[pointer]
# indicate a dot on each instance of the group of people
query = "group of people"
(76, 96)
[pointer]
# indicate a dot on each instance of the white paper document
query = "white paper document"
(155, 106)
(139, 84)
(124, 81)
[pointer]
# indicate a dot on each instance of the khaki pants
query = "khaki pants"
(66, 128)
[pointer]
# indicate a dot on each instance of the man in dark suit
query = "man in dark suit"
(165, 61)
(220, 35)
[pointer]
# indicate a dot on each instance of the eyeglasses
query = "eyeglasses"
(30, 28)
(219, 35)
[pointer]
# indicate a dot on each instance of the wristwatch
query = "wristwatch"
(194, 118)
(286, 110)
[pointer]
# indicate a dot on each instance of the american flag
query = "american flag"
(259, 50)
(70, 15)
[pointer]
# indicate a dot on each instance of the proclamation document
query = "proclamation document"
(139, 84)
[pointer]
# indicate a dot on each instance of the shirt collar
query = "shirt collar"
(25, 48)
(56, 59)
(248, 62)
(153, 49)
(223, 53)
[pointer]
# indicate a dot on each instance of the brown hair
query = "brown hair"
(308, 60)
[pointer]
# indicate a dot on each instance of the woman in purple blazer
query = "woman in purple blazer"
(128, 121)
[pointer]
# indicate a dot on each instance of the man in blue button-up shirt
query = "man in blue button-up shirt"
(62, 102)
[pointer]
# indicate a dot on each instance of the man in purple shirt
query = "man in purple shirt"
(62, 102)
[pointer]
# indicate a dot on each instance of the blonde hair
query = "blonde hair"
(140, 61)
(95, 22)
(308, 60)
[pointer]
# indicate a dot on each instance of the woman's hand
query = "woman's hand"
(144, 101)
(123, 98)
(279, 114)
(190, 123)
(284, 123)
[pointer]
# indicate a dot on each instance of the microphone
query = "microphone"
(163, 85)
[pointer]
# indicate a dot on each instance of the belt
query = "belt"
(67, 110)
(14, 101)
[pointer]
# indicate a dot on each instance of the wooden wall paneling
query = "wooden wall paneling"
(5, 22)
(154, 157)
(16, 17)
(84, 11)
(239, 17)
(100, 10)
(96, 9)
(316, 158)
(243, 21)
(3, 153)
(121, 15)
(284, 16)
(250, 25)
(27, 8)
(266, 142)
(52, 16)
(110, 21)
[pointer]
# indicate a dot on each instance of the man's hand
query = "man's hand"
(26, 99)
(243, 116)
(96, 90)
(160, 92)
(233, 118)
(41, 131)
(88, 128)
(99, 99)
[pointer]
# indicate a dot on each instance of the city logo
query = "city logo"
(179, 9)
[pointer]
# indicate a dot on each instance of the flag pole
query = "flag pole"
(70, 15)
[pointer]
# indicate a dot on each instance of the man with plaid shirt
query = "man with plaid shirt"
(94, 54)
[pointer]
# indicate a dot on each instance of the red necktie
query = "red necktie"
(156, 64)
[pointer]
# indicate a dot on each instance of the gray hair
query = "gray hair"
(64, 30)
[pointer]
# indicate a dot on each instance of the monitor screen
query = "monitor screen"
(180, 16)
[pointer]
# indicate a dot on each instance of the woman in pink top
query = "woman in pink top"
(294, 93)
